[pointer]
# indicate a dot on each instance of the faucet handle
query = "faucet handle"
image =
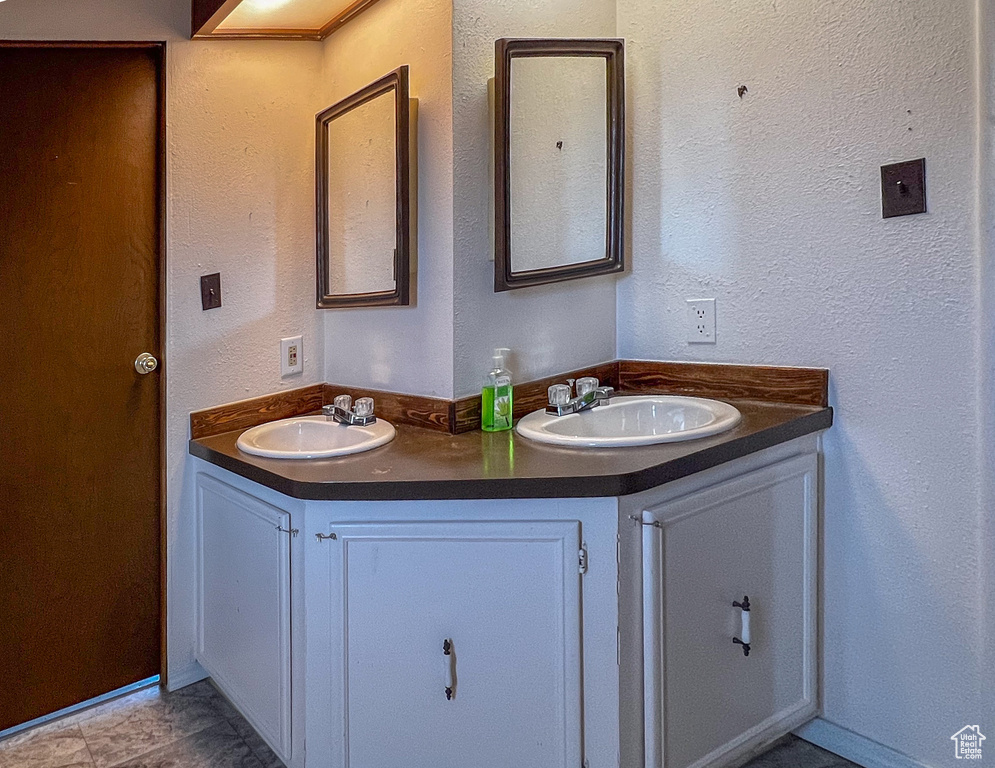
(559, 394)
(344, 402)
(586, 385)
(364, 406)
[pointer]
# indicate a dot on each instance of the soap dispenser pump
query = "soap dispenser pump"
(497, 396)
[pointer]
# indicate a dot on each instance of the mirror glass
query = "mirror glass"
(363, 219)
(559, 161)
(362, 199)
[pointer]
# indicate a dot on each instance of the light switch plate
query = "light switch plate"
(701, 321)
(292, 356)
(210, 291)
(903, 188)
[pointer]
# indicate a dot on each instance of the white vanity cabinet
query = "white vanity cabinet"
(570, 633)
(710, 700)
(446, 644)
(243, 605)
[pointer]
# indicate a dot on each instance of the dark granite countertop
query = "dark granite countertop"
(426, 464)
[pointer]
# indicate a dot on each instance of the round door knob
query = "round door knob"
(146, 363)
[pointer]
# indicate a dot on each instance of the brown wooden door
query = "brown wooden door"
(81, 142)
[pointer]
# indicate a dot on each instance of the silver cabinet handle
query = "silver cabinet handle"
(322, 537)
(292, 531)
(450, 654)
(146, 363)
(744, 608)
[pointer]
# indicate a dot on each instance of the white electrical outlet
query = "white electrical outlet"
(292, 356)
(701, 321)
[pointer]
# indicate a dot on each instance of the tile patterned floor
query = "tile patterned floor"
(191, 728)
(197, 728)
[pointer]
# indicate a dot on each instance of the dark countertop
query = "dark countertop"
(426, 464)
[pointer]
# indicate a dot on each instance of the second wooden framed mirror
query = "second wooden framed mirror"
(559, 160)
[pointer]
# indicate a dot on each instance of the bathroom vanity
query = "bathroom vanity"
(482, 600)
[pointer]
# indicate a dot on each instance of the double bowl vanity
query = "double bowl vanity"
(517, 599)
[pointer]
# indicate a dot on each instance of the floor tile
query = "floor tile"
(56, 745)
(259, 747)
(137, 724)
(792, 752)
(216, 747)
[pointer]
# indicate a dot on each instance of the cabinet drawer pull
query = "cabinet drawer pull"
(322, 537)
(450, 654)
(744, 608)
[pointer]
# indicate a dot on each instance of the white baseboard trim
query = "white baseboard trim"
(854, 747)
(186, 675)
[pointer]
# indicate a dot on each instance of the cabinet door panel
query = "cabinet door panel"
(243, 607)
(753, 536)
(508, 597)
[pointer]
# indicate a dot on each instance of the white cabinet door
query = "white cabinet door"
(506, 596)
(243, 606)
(707, 701)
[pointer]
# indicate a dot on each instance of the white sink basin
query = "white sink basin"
(633, 420)
(313, 437)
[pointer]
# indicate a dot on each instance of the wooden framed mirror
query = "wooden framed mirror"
(363, 173)
(559, 160)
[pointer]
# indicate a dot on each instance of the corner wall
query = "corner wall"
(553, 328)
(986, 346)
(771, 204)
(403, 349)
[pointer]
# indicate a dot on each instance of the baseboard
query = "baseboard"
(854, 747)
(186, 675)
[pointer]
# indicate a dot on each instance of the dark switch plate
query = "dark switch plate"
(903, 188)
(210, 291)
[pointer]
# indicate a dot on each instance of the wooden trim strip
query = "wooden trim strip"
(259, 410)
(793, 386)
(205, 15)
(412, 410)
(345, 16)
(260, 33)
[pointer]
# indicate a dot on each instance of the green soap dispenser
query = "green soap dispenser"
(496, 400)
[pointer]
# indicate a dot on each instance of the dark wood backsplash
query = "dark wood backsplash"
(259, 410)
(413, 410)
(794, 386)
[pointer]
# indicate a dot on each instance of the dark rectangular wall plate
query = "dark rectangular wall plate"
(903, 188)
(210, 291)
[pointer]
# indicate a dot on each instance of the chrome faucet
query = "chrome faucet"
(342, 411)
(590, 394)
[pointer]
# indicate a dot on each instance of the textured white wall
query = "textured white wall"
(240, 169)
(405, 349)
(986, 346)
(550, 329)
(770, 203)
(241, 196)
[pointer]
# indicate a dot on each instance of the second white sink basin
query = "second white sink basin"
(313, 437)
(633, 420)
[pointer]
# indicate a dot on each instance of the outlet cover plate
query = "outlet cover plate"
(903, 188)
(292, 356)
(701, 321)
